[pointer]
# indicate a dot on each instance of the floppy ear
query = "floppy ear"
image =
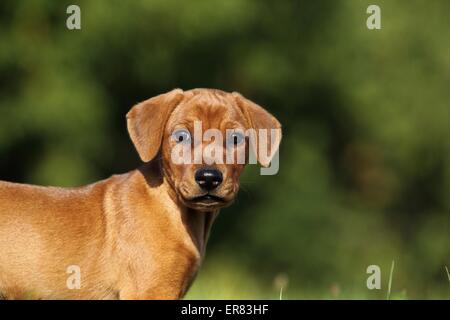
(259, 118)
(146, 122)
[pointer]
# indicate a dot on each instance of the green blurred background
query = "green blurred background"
(365, 161)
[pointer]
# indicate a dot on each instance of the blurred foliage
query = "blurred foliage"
(365, 161)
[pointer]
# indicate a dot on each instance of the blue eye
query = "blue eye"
(236, 138)
(181, 136)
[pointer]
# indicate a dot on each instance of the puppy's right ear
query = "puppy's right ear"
(146, 122)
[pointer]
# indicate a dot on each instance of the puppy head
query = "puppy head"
(205, 138)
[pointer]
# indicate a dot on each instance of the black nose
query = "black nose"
(208, 179)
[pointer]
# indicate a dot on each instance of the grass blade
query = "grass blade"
(448, 273)
(390, 280)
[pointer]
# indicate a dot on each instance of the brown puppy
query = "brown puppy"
(139, 235)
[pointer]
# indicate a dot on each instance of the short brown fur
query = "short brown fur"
(137, 235)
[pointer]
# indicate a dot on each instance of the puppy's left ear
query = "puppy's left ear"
(146, 122)
(258, 118)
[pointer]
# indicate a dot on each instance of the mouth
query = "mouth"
(208, 202)
(208, 199)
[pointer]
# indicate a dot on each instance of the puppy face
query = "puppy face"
(209, 127)
(208, 184)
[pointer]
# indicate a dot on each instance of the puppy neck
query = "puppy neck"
(196, 223)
